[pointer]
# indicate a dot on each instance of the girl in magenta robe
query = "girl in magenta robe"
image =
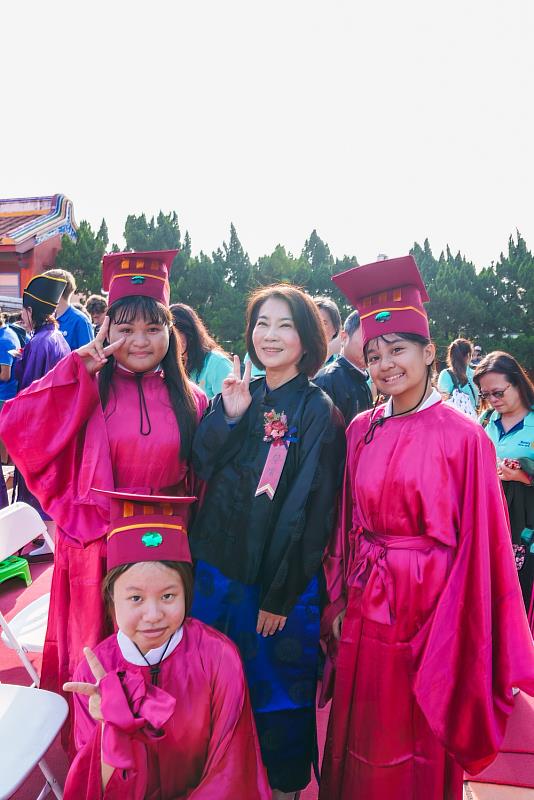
(425, 606)
(121, 415)
(161, 708)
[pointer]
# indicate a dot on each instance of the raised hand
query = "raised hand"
(93, 354)
(90, 689)
(235, 392)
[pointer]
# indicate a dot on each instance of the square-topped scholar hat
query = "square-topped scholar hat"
(43, 293)
(389, 296)
(134, 274)
(147, 527)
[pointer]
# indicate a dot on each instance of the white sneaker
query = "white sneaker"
(44, 550)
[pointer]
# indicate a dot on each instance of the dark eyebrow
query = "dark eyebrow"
(137, 589)
(262, 316)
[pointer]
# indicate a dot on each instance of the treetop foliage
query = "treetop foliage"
(492, 307)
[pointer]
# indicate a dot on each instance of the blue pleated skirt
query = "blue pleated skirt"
(281, 670)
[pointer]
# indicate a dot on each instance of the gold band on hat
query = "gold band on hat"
(395, 308)
(147, 524)
(46, 302)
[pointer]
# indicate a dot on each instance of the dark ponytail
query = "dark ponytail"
(174, 375)
(458, 355)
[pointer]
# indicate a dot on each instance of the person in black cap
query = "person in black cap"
(345, 380)
(46, 347)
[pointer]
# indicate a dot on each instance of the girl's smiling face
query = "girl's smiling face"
(397, 365)
(145, 343)
(149, 603)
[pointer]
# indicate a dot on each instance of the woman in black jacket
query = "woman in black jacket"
(272, 453)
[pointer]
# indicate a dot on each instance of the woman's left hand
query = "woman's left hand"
(269, 624)
(507, 473)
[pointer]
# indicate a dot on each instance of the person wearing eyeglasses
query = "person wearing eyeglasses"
(510, 425)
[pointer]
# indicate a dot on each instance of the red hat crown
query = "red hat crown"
(389, 296)
(135, 274)
(147, 527)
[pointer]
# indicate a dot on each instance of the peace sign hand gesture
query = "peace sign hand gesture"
(90, 689)
(93, 354)
(235, 392)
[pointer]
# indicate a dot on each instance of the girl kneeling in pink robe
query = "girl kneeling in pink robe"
(161, 708)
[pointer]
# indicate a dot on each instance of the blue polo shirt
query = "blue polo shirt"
(516, 443)
(75, 327)
(8, 341)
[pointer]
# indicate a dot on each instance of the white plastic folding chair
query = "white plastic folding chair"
(25, 633)
(30, 720)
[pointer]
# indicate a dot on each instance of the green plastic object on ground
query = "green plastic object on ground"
(15, 567)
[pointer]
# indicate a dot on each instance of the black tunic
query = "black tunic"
(347, 386)
(276, 543)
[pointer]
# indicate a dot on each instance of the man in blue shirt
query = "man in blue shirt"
(73, 324)
(8, 343)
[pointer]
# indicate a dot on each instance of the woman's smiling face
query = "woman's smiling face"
(275, 337)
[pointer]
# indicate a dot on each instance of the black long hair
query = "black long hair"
(181, 395)
(40, 318)
(198, 338)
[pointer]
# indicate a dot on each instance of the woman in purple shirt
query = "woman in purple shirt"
(46, 347)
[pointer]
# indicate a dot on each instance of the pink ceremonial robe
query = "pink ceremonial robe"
(63, 444)
(435, 634)
(191, 736)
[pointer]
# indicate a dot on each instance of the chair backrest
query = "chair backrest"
(19, 524)
(30, 719)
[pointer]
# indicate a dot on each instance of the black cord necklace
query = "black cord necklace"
(377, 423)
(154, 668)
(142, 407)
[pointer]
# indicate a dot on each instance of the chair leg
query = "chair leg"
(52, 784)
(30, 669)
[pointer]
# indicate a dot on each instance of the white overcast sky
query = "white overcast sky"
(377, 122)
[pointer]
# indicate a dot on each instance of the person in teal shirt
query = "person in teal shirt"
(510, 425)
(458, 374)
(206, 363)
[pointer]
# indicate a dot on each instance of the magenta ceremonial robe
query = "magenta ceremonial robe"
(63, 444)
(435, 634)
(191, 736)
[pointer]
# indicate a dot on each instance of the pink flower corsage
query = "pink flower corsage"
(276, 428)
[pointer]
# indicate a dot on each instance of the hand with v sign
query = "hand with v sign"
(95, 354)
(92, 691)
(235, 390)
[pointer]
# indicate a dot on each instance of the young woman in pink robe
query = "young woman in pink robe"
(161, 708)
(424, 602)
(111, 416)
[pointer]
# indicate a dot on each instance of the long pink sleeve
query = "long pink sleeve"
(477, 644)
(55, 432)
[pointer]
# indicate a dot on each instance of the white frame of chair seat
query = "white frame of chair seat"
(19, 525)
(42, 709)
